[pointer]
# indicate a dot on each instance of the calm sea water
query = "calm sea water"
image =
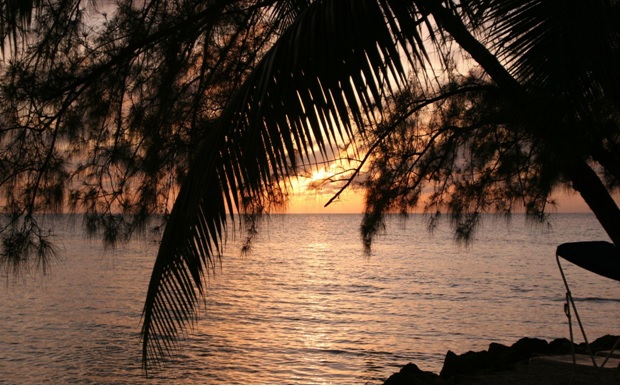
(306, 306)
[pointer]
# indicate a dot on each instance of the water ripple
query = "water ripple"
(306, 307)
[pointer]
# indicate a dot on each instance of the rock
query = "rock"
(451, 365)
(503, 356)
(604, 343)
(496, 348)
(499, 361)
(466, 363)
(411, 374)
(527, 346)
(560, 347)
(498, 357)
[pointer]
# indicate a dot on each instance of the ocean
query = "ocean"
(306, 305)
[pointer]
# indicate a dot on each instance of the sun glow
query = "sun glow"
(311, 192)
(320, 175)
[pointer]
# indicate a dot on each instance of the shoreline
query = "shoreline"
(501, 364)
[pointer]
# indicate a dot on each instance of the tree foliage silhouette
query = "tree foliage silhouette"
(460, 107)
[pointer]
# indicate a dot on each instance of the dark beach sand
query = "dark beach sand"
(539, 374)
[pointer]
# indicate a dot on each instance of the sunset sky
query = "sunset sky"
(307, 200)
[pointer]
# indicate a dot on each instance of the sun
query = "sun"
(312, 191)
(319, 175)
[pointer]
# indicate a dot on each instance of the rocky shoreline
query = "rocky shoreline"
(502, 364)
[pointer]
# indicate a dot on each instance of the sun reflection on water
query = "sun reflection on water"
(307, 306)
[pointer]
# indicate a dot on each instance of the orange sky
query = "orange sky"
(310, 202)
(352, 201)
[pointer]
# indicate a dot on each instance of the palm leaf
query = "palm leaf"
(565, 55)
(322, 78)
(567, 48)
